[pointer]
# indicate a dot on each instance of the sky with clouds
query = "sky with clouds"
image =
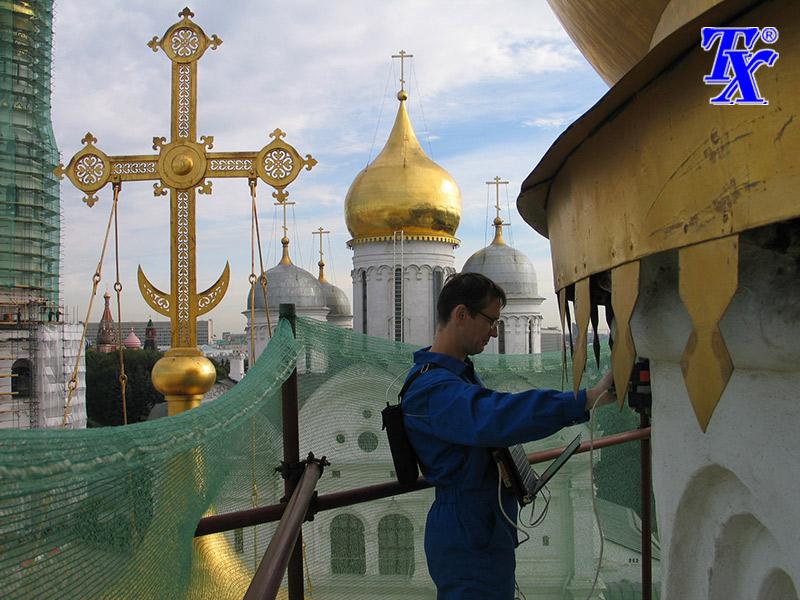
(492, 84)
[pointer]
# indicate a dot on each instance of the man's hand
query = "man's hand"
(600, 395)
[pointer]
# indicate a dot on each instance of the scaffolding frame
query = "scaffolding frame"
(30, 216)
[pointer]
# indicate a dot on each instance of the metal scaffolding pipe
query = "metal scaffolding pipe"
(603, 442)
(291, 454)
(268, 577)
(241, 518)
(647, 521)
(269, 514)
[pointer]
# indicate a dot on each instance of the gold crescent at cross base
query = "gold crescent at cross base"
(182, 166)
(206, 301)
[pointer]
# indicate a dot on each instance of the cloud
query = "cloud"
(550, 122)
(491, 84)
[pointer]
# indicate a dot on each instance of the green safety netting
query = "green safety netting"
(111, 513)
(30, 226)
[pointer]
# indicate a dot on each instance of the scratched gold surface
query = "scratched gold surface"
(668, 169)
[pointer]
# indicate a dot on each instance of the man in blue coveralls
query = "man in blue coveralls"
(452, 420)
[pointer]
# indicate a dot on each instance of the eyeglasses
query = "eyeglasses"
(493, 323)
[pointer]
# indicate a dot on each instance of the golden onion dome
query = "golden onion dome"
(403, 190)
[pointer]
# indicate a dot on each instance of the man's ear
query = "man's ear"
(460, 313)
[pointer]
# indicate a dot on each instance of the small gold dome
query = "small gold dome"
(403, 189)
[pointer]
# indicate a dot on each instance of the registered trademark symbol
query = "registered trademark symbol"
(769, 35)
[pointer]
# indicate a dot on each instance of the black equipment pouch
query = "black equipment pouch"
(403, 455)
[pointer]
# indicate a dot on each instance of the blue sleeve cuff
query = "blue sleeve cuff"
(575, 408)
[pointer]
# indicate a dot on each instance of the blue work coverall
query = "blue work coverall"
(451, 420)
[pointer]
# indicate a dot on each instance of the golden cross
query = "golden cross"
(183, 166)
(497, 183)
(285, 240)
(402, 56)
(498, 221)
(321, 263)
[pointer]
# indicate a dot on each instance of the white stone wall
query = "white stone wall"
(522, 320)
(377, 261)
(726, 499)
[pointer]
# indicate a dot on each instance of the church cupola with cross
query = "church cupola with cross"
(403, 211)
(106, 333)
(520, 328)
(339, 310)
(286, 283)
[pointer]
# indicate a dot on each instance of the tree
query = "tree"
(104, 390)
(223, 368)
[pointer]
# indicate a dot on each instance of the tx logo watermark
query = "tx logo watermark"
(736, 68)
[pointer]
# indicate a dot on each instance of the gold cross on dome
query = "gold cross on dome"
(402, 56)
(498, 221)
(321, 263)
(285, 241)
(497, 183)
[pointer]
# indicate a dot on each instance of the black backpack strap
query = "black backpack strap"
(425, 368)
(403, 455)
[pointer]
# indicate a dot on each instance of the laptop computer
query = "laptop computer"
(518, 474)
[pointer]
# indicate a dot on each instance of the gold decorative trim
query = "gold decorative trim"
(583, 310)
(89, 170)
(157, 300)
(208, 299)
(418, 237)
(184, 256)
(278, 164)
(562, 314)
(185, 41)
(624, 294)
(709, 277)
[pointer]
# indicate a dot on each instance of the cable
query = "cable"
(594, 495)
(391, 385)
(486, 221)
(518, 592)
(422, 112)
(540, 519)
(380, 113)
(503, 511)
(534, 523)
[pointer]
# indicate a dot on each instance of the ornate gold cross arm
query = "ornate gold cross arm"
(183, 165)
(277, 164)
(91, 169)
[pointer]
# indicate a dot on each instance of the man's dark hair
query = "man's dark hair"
(473, 290)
